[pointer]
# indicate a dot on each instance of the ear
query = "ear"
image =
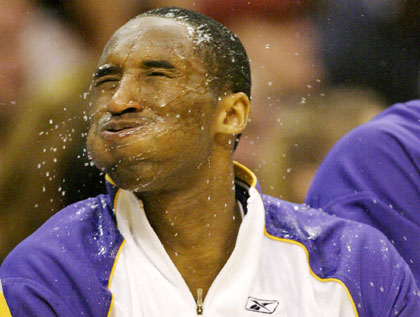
(232, 114)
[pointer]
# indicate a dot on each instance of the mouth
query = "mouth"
(115, 129)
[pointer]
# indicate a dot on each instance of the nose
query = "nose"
(125, 99)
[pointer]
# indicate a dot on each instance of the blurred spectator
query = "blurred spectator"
(234, 11)
(284, 63)
(305, 133)
(34, 50)
(373, 43)
(12, 20)
(95, 21)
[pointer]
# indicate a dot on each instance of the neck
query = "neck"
(197, 224)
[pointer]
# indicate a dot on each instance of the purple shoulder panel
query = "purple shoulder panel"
(377, 278)
(65, 265)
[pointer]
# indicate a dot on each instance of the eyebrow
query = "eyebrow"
(105, 70)
(157, 64)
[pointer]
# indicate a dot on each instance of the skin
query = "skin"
(159, 130)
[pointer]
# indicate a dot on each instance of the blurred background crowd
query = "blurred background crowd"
(319, 69)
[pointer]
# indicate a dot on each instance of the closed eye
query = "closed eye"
(105, 80)
(159, 74)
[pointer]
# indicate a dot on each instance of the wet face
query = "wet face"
(153, 110)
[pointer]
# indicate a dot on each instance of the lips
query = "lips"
(119, 125)
(119, 128)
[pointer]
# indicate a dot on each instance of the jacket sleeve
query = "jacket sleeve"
(403, 298)
(372, 176)
(25, 297)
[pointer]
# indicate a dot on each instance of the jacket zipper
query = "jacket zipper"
(199, 301)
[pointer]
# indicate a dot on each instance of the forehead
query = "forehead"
(151, 37)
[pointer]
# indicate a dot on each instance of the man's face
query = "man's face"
(152, 106)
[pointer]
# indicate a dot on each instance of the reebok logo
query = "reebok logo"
(265, 306)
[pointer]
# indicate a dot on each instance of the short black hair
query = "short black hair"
(224, 55)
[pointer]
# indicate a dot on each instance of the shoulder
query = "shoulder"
(64, 233)
(356, 255)
(310, 226)
(74, 248)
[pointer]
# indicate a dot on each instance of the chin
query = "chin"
(139, 176)
(156, 168)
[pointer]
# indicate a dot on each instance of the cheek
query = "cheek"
(95, 149)
(193, 122)
(100, 152)
(192, 131)
(103, 93)
(188, 106)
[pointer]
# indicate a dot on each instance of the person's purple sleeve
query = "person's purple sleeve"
(372, 175)
(28, 298)
(404, 298)
(63, 268)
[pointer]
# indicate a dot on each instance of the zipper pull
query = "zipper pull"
(199, 301)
